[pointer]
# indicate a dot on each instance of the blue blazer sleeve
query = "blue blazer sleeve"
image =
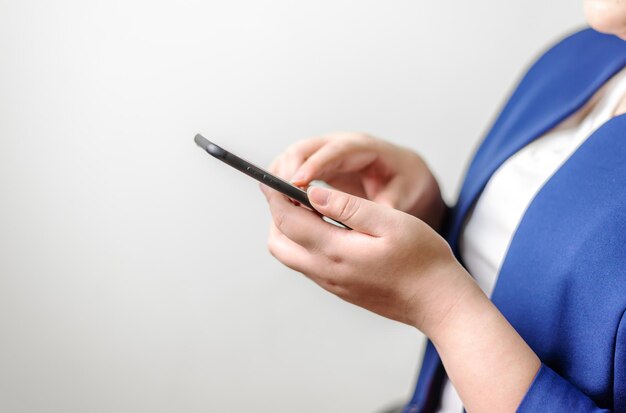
(550, 392)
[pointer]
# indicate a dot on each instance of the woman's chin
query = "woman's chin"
(607, 16)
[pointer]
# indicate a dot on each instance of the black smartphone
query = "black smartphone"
(260, 175)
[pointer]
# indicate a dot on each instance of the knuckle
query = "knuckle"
(315, 247)
(361, 138)
(297, 149)
(335, 259)
(340, 146)
(293, 151)
(348, 207)
(330, 286)
(357, 137)
(280, 219)
(324, 278)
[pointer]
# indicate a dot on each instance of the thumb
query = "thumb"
(357, 213)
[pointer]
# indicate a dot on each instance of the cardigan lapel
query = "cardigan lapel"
(561, 82)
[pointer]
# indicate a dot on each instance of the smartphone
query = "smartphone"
(260, 175)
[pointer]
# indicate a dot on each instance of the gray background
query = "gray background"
(134, 275)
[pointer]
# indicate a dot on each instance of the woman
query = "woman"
(542, 212)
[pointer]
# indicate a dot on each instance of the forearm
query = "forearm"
(488, 362)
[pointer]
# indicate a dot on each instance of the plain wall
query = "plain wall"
(134, 275)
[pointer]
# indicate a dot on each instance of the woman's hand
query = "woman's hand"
(369, 168)
(397, 266)
(391, 263)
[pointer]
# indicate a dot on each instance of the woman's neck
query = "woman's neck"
(621, 108)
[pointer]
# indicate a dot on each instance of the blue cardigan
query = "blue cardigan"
(563, 281)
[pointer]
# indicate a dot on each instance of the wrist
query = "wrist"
(456, 296)
(483, 354)
(471, 308)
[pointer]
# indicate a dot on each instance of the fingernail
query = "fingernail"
(298, 177)
(319, 195)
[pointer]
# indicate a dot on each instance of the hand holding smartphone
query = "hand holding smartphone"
(259, 174)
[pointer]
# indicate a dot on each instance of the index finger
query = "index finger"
(291, 159)
(337, 156)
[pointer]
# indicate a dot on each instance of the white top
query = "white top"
(491, 224)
